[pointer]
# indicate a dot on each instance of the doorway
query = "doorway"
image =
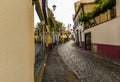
(88, 41)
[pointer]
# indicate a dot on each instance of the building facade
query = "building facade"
(105, 35)
(81, 7)
(102, 35)
(17, 41)
(78, 28)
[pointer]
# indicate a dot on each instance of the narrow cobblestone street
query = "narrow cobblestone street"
(66, 63)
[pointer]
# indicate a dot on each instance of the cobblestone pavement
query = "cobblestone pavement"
(56, 70)
(82, 66)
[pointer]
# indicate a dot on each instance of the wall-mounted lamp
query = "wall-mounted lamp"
(54, 7)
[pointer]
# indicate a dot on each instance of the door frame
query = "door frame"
(88, 43)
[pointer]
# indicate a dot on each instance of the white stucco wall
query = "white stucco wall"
(16, 41)
(118, 17)
(118, 26)
(82, 32)
(79, 27)
(106, 33)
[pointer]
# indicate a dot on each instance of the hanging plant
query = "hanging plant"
(51, 23)
(98, 1)
(40, 26)
(111, 4)
(101, 8)
(96, 11)
(84, 17)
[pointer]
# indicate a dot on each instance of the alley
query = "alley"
(66, 63)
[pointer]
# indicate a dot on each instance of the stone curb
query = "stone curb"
(41, 70)
(107, 60)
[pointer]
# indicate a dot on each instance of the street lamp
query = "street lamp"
(54, 32)
(54, 7)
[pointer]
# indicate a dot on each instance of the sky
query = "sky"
(63, 12)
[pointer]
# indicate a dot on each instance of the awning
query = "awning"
(41, 9)
(45, 9)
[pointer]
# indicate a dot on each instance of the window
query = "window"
(113, 13)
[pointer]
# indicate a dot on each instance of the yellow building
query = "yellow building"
(17, 41)
(76, 6)
(82, 6)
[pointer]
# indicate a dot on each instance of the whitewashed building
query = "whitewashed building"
(78, 28)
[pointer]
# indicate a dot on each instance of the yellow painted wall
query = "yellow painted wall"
(105, 16)
(16, 41)
(87, 1)
(105, 33)
(102, 18)
(88, 7)
(76, 5)
(118, 7)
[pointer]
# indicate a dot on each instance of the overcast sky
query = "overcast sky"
(63, 12)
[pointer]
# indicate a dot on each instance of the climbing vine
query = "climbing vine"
(103, 6)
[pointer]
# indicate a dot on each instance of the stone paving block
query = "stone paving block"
(67, 60)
